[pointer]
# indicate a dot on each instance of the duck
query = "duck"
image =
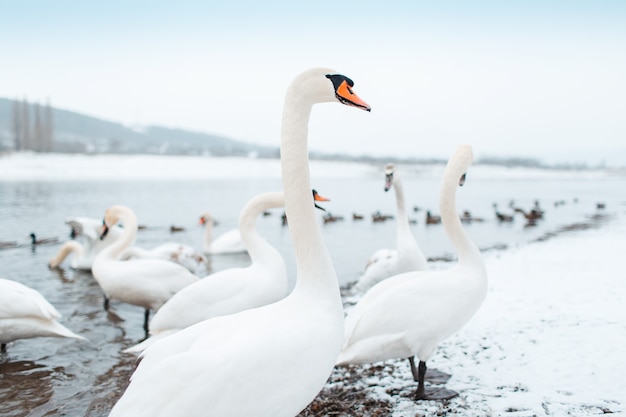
(42, 241)
(229, 242)
(229, 291)
(357, 216)
(408, 315)
(147, 283)
(431, 218)
(25, 314)
(273, 360)
(7, 245)
(505, 218)
(407, 256)
(331, 218)
(176, 229)
(179, 253)
(378, 217)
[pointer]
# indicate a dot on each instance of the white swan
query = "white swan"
(147, 283)
(226, 243)
(25, 313)
(410, 314)
(407, 256)
(184, 255)
(232, 290)
(269, 361)
(83, 254)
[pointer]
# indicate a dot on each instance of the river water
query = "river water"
(56, 377)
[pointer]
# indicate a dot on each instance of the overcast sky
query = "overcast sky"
(543, 79)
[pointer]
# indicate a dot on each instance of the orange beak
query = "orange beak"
(345, 95)
(202, 220)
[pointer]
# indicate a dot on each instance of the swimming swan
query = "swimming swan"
(273, 360)
(409, 314)
(147, 283)
(232, 290)
(25, 313)
(407, 256)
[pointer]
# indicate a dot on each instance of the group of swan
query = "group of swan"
(233, 290)
(270, 360)
(237, 334)
(407, 256)
(90, 229)
(408, 315)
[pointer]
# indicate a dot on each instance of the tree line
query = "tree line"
(32, 126)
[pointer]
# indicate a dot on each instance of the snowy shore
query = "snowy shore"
(548, 341)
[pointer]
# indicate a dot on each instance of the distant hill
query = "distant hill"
(75, 132)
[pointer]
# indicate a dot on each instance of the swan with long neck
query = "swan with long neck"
(269, 361)
(232, 290)
(147, 283)
(407, 256)
(408, 315)
(25, 313)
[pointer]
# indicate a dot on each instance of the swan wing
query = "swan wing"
(18, 300)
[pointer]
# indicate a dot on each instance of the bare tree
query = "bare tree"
(49, 127)
(16, 125)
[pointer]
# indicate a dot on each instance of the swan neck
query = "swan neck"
(68, 247)
(129, 220)
(315, 271)
(258, 248)
(403, 231)
(467, 251)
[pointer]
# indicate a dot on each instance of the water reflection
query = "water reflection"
(24, 386)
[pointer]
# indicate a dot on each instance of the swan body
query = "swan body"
(226, 243)
(184, 255)
(231, 290)
(409, 314)
(407, 256)
(270, 361)
(25, 313)
(148, 283)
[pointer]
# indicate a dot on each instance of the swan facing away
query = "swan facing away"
(409, 314)
(25, 313)
(232, 290)
(407, 256)
(147, 283)
(269, 361)
(226, 243)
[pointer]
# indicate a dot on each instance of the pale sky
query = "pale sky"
(542, 79)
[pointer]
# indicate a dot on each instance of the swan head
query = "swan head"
(389, 171)
(317, 197)
(112, 216)
(206, 218)
(460, 162)
(323, 85)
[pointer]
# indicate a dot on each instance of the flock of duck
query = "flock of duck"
(237, 342)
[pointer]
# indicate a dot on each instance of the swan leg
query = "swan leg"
(434, 376)
(106, 303)
(3, 348)
(430, 393)
(146, 318)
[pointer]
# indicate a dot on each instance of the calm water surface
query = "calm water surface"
(55, 377)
